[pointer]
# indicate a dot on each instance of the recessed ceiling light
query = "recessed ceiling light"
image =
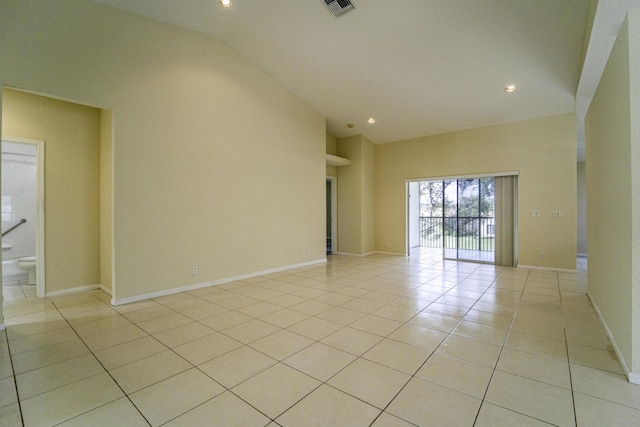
(225, 3)
(510, 88)
(371, 120)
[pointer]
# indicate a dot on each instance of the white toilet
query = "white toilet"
(28, 264)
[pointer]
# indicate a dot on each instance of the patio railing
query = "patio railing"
(458, 232)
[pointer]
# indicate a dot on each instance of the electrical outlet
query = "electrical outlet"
(194, 270)
(557, 214)
(535, 213)
(542, 255)
(308, 251)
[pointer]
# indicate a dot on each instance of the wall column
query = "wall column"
(356, 198)
(612, 128)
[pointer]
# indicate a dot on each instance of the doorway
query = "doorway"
(332, 215)
(467, 218)
(22, 217)
(457, 215)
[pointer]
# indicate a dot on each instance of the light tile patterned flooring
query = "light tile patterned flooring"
(18, 290)
(381, 341)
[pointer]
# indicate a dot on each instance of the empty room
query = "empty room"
(320, 213)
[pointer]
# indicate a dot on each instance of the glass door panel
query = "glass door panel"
(457, 215)
(470, 220)
(450, 219)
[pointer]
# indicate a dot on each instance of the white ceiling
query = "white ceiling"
(420, 67)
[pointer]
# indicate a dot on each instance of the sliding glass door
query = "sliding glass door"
(469, 206)
(450, 219)
(470, 219)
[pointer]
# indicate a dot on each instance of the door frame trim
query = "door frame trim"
(333, 183)
(446, 178)
(40, 207)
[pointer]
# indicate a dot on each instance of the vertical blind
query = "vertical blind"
(506, 220)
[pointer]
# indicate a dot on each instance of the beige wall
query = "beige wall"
(634, 94)
(543, 151)
(350, 196)
(613, 182)
(71, 134)
(106, 199)
(591, 14)
(2, 324)
(368, 213)
(215, 164)
(356, 196)
(581, 246)
(332, 148)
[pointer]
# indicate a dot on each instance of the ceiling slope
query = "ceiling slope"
(418, 67)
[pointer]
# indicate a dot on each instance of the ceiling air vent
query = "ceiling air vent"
(339, 7)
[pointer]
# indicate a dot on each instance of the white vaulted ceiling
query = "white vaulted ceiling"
(420, 67)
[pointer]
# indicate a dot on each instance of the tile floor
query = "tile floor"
(377, 341)
(18, 290)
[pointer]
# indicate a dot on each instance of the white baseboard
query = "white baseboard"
(71, 291)
(634, 378)
(390, 253)
(559, 270)
(137, 298)
(2, 326)
(357, 255)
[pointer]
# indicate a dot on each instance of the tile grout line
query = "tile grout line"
(103, 367)
(325, 382)
(15, 377)
(148, 334)
(566, 343)
(359, 357)
(190, 363)
(411, 377)
(542, 382)
(513, 316)
(495, 368)
(447, 335)
(193, 366)
(389, 270)
(277, 361)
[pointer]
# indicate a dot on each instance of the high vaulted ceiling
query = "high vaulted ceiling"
(419, 67)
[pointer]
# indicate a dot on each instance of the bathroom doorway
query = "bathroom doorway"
(22, 218)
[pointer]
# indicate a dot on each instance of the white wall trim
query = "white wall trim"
(40, 205)
(559, 270)
(334, 213)
(357, 255)
(472, 176)
(129, 300)
(71, 291)
(372, 253)
(391, 253)
(2, 326)
(634, 378)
